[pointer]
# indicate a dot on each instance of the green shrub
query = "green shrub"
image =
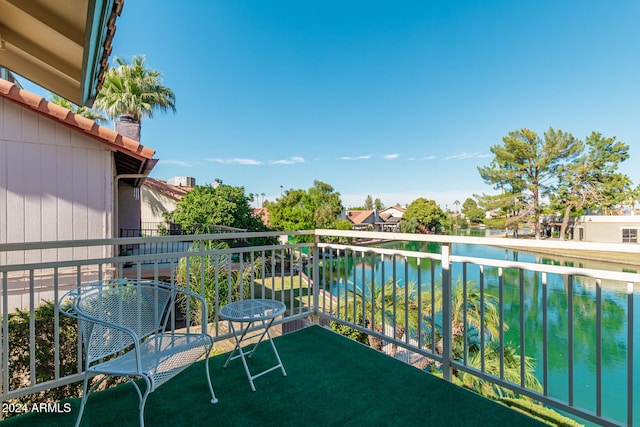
(223, 269)
(45, 351)
(349, 332)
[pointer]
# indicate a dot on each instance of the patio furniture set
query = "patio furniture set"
(128, 331)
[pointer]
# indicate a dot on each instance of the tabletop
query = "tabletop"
(251, 310)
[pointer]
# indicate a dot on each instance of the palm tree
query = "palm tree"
(390, 304)
(482, 316)
(511, 368)
(472, 314)
(131, 89)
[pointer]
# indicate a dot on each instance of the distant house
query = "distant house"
(63, 176)
(607, 229)
(372, 220)
(362, 219)
(390, 218)
(393, 211)
(158, 197)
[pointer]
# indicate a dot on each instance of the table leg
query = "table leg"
(275, 351)
(241, 355)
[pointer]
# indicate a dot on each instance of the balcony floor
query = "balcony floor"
(330, 380)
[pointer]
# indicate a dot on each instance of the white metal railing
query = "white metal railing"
(397, 296)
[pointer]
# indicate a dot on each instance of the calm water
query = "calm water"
(614, 302)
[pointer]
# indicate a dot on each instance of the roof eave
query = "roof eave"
(101, 27)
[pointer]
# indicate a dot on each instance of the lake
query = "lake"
(614, 319)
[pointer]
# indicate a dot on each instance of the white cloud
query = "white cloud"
(236, 161)
(176, 162)
(465, 155)
(428, 158)
(391, 156)
(289, 161)
(364, 157)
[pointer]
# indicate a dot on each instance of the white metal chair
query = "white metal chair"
(124, 329)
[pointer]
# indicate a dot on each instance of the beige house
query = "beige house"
(393, 211)
(607, 229)
(158, 197)
(63, 177)
(390, 218)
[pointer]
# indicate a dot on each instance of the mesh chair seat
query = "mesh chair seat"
(162, 357)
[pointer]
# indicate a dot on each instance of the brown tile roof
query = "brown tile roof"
(81, 124)
(166, 188)
(358, 217)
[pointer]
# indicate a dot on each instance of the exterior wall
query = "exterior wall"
(393, 211)
(128, 207)
(604, 229)
(154, 204)
(55, 184)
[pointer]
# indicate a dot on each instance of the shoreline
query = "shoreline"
(617, 258)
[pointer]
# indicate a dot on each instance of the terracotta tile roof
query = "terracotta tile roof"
(81, 124)
(358, 217)
(166, 188)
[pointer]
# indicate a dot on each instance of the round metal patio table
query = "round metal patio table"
(247, 313)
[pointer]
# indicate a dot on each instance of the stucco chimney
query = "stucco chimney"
(126, 126)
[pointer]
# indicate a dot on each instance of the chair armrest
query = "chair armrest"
(188, 293)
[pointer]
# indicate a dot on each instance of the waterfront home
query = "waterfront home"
(393, 211)
(373, 220)
(390, 218)
(362, 219)
(607, 228)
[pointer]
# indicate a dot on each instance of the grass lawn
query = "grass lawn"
(293, 291)
(287, 289)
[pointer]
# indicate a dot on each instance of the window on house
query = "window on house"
(629, 235)
(580, 233)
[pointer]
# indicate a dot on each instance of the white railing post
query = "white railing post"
(315, 278)
(447, 333)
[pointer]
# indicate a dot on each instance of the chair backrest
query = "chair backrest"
(104, 309)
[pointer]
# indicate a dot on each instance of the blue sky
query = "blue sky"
(394, 99)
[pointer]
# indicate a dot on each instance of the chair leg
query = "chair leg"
(85, 395)
(143, 400)
(206, 364)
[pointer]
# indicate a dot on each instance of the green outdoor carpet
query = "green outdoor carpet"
(331, 381)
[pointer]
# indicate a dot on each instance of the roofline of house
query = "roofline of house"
(165, 188)
(67, 118)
